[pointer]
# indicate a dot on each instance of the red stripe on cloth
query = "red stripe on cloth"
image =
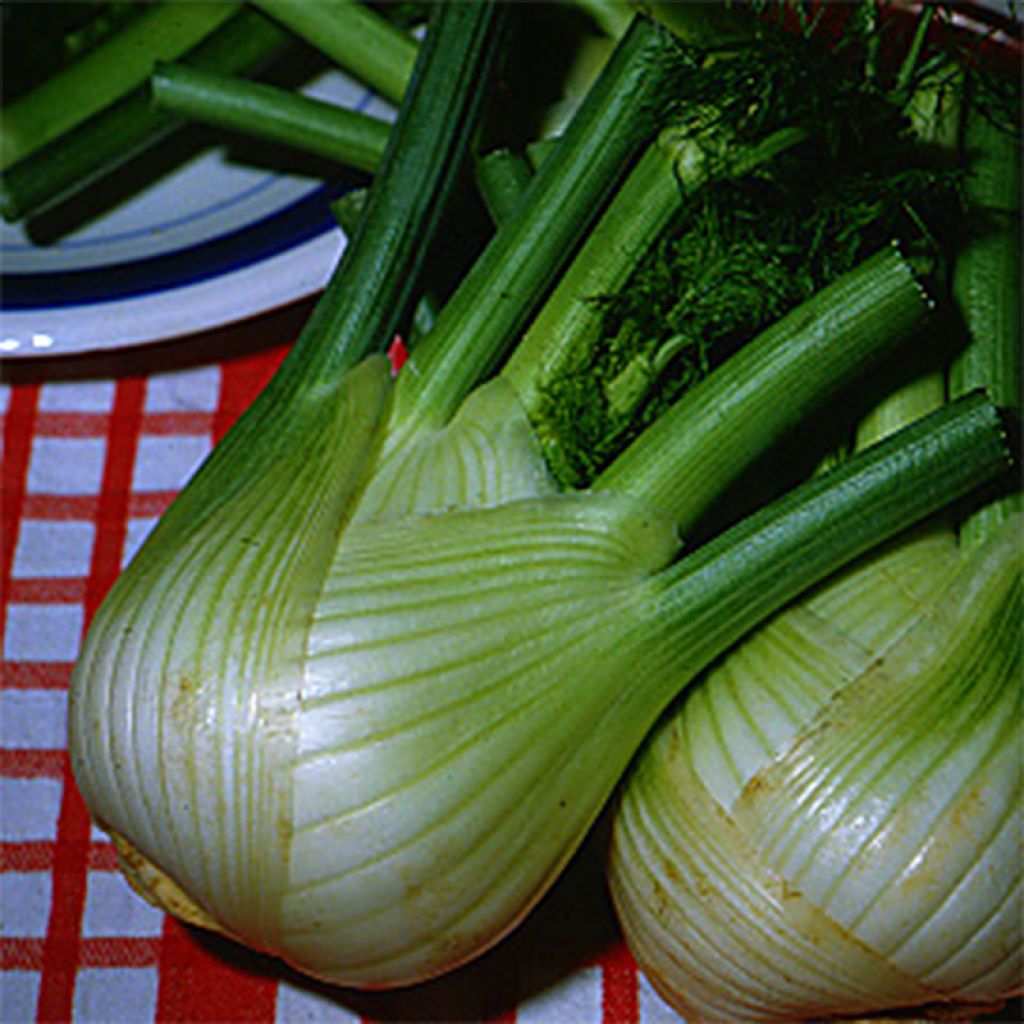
(178, 424)
(50, 590)
(78, 507)
(31, 856)
(19, 423)
(61, 947)
(59, 958)
(208, 980)
(60, 507)
(620, 999)
(35, 675)
(39, 855)
(30, 954)
(122, 951)
(21, 954)
(103, 857)
(204, 980)
(72, 424)
(32, 764)
(150, 504)
(96, 424)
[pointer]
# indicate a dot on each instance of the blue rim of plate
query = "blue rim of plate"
(292, 225)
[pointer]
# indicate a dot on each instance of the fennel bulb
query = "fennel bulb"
(830, 826)
(830, 822)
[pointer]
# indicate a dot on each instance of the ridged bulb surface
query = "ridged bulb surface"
(830, 822)
(361, 713)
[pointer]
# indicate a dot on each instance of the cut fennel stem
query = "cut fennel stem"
(240, 716)
(829, 823)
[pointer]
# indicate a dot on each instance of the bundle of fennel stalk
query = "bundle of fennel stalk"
(828, 824)
(375, 673)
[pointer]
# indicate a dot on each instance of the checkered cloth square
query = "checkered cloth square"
(93, 453)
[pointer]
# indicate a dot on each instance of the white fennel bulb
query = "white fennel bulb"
(830, 823)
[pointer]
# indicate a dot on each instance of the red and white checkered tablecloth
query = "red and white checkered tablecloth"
(94, 450)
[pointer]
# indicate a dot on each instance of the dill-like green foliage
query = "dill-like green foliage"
(745, 252)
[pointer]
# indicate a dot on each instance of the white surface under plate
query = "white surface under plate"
(214, 242)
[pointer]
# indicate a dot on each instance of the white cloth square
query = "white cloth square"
(304, 1006)
(66, 465)
(166, 463)
(112, 908)
(25, 899)
(33, 719)
(653, 1009)
(59, 549)
(29, 809)
(575, 997)
(195, 390)
(43, 632)
(103, 993)
(77, 396)
(20, 996)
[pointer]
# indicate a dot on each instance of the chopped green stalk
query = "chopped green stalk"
(516, 269)
(245, 44)
(309, 125)
(986, 284)
(119, 65)
(392, 235)
(728, 416)
(354, 37)
(502, 178)
(347, 212)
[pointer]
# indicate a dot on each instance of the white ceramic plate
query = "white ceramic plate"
(214, 242)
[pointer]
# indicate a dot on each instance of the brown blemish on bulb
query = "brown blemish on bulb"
(183, 700)
(284, 828)
(158, 888)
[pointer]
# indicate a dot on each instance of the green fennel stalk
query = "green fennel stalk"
(346, 137)
(517, 267)
(119, 65)
(353, 36)
(89, 150)
(92, 150)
